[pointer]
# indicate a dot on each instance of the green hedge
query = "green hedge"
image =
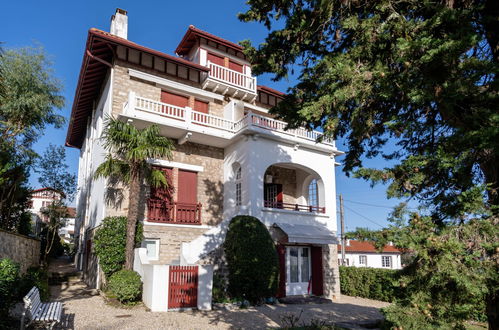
(9, 281)
(251, 259)
(110, 242)
(372, 283)
(126, 285)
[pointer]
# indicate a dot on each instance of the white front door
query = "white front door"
(297, 270)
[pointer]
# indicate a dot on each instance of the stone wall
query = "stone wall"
(170, 240)
(22, 249)
(286, 177)
(331, 271)
(123, 84)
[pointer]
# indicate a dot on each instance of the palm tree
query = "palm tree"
(129, 149)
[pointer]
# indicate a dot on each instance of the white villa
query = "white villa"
(231, 158)
(364, 254)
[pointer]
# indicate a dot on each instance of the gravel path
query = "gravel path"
(85, 310)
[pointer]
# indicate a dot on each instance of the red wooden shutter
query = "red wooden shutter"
(201, 106)
(317, 271)
(281, 251)
(216, 59)
(187, 187)
(279, 193)
(174, 99)
(235, 66)
(160, 199)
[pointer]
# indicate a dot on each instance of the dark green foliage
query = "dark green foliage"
(251, 259)
(35, 276)
(110, 241)
(126, 285)
(219, 292)
(9, 279)
(372, 283)
(415, 82)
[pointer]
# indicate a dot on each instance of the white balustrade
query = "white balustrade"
(189, 116)
(232, 77)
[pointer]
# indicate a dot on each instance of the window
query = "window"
(152, 247)
(238, 187)
(272, 195)
(386, 261)
(313, 193)
(363, 260)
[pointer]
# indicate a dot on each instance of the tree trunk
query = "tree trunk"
(133, 218)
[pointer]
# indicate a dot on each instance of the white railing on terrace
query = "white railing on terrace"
(189, 116)
(232, 77)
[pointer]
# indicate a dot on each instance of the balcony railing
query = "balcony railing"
(295, 207)
(174, 212)
(189, 116)
(232, 77)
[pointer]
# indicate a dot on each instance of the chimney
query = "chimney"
(348, 242)
(119, 23)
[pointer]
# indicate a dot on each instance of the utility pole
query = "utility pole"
(343, 240)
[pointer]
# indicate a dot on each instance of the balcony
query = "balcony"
(181, 120)
(294, 207)
(230, 82)
(174, 212)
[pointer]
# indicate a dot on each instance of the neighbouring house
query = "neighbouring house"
(67, 230)
(364, 254)
(231, 158)
(40, 199)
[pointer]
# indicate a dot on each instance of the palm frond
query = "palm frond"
(113, 168)
(157, 178)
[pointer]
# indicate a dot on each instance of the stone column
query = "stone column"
(331, 272)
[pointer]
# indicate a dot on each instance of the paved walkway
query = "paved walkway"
(85, 310)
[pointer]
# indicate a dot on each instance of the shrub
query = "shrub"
(126, 285)
(372, 283)
(9, 279)
(110, 241)
(251, 259)
(219, 291)
(35, 276)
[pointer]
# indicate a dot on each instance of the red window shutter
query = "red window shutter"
(216, 59)
(174, 99)
(279, 193)
(201, 106)
(317, 271)
(163, 193)
(235, 66)
(160, 199)
(281, 251)
(187, 187)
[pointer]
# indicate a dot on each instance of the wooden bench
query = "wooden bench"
(36, 311)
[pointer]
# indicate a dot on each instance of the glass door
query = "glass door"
(298, 270)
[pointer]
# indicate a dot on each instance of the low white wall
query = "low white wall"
(155, 281)
(205, 286)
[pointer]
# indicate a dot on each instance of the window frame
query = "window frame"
(239, 190)
(313, 194)
(156, 243)
(386, 258)
(361, 258)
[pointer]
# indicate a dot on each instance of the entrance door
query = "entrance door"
(298, 270)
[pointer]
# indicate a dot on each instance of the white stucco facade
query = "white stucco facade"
(374, 260)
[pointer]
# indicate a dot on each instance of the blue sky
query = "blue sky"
(61, 28)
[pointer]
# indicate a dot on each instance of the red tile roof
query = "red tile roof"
(193, 33)
(359, 246)
(71, 212)
(269, 90)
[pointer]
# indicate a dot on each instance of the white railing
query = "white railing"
(201, 118)
(188, 116)
(232, 77)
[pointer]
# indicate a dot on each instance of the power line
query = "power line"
(374, 205)
(363, 216)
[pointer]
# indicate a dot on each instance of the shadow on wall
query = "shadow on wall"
(215, 191)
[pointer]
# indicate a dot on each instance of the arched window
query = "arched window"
(238, 181)
(313, 193)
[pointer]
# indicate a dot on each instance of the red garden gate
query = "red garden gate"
(183, 287)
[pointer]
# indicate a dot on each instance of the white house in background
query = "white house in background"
(231, 158)
(67, 231)
(41, 198)
(364, 254)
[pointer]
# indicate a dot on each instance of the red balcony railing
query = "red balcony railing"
(174, 212)
(295, 207)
